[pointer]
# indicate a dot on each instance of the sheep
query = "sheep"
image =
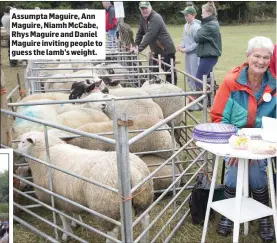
(157, 140)
(163, 183)
(130, 107)
(50, 96)
(76, 118)
(46, 73)
(69, 78)
(95, 165)
(21, 126)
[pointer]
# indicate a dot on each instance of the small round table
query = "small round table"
(240, 209)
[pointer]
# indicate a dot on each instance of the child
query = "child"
(188, 45)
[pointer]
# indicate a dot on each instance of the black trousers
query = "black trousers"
(166, 59)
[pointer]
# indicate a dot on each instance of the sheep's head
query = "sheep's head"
(23, 171)
(29, 140)
(82, 89)
(156, 80)
(108, 81)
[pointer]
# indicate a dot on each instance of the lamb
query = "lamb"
(95, 165)
(21, 126)
(130, 107)
(69, 78)
(50, 96)
(158, 140)
(76, 118)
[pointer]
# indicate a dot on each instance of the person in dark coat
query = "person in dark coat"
(152, 32)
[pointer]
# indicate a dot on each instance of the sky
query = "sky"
(4, 165)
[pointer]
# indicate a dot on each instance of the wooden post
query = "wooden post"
(5, 120)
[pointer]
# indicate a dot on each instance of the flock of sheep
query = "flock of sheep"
(94, 159)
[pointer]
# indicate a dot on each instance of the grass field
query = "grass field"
(234, 39)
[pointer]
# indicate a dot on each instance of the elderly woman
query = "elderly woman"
(247, 93)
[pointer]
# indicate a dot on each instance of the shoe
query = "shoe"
(224, 227)
(266, 230)
(194, 107)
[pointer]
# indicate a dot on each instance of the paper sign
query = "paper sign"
(119, 10)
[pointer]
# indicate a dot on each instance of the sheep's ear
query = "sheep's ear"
(31, 140)
(115, 83)
(106, 80)
(90, 88)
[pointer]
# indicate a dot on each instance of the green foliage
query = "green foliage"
(4, 187)
(4, 208)
(228, 11)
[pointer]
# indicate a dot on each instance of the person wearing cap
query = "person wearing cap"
(209, 46)
(152, 32)
(247, 93)
(6, 24)
(188, 45)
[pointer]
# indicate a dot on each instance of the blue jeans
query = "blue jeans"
(111, 37)
(206, 65)
(257, 174)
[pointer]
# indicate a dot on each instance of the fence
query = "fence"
(167, 213)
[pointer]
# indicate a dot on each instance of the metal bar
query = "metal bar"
(164, 209)
(55, 226)
(166, 120)
(108, 99)
(168, 239)
(170, 219)
(50, 176)
(67, 172)
(157, 169)
(109, 75)
(166, 191)
(172, 70)
(35, 230)
(89, 68)
(12, 92)
(85, 62)
(71, 202)
(64, 128)
(65, 215)
(123, 163)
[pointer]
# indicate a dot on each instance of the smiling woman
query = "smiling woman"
(246, 94)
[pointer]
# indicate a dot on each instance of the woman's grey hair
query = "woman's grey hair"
(210, 7)
(260, 42)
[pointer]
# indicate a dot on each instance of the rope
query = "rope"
(3, 91)
(22, 91)
(129, 198)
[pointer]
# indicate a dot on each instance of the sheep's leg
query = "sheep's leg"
(76, 216)
(113, 233)
(144, 225)
(66, 226)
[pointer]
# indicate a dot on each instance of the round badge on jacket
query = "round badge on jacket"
(267, 97)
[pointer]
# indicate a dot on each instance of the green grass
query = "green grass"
(4, 208)
(234, 39)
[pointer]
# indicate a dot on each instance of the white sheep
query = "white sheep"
(169, 105)
(157, 140)
(44, 112)
(96, 165)
(50, 96)
(130, 107)
(77, 118)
